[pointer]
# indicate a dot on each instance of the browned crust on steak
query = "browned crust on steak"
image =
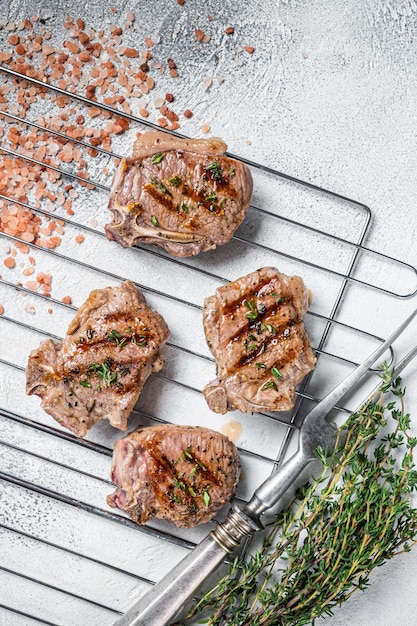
(183, 474)
(98, 370)
(191, 200)
(255, 331)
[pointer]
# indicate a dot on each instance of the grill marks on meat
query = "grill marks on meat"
(183, 474)
(181, 194)
(98, 370)
(255, 331)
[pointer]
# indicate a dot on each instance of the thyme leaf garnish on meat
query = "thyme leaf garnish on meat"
(157, 158)
(253, 311)
(355, 515)
(200, 464)
(232, 172)
(270, 384)
(105, 372)
(139, 340)
(117, 338)
(175, 180)
(160, 185)
(261, 366)
(85, 383)
(270, 328)
(279, 298)
(276, 373)
(180, 484)
(215, 170)
(205, 496)
(186, 454)
(154, 221)
(211, 197)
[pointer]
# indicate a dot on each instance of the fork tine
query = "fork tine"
(327, 403)
(406, 360)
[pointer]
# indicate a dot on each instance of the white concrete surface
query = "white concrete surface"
(328, 96)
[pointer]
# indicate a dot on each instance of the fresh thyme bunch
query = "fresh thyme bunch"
(352, 518)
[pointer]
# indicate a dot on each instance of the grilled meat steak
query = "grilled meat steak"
(183, 474)
(255, 331)
(181, 194)
(98, 370)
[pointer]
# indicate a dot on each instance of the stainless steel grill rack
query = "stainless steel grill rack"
(66, 557)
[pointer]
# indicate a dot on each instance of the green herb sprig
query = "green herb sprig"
(215, 170)
(158, 157)
(104, 371)
(253, 311)
(117, 338)
(350, 519)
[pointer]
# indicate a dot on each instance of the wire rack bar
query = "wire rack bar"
(138, 120)
(67, 550)
(133, 118)
(299, 393)
(347, 279)
(347, 276)
(55, 588)
(28, 615)
(89, 508)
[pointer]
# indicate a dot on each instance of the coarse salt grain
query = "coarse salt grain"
(131, 53)
(55, 59)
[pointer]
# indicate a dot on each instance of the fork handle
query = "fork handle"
(160, 605)
(274, 487)
(166, 600)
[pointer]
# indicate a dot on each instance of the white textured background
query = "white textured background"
(328, 96)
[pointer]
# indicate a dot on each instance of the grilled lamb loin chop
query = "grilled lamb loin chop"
(98, 370)
(181, 194)
(255, 331)
(183, 474)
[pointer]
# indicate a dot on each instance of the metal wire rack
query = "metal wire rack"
(66, 558)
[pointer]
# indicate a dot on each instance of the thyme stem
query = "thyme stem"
(350, 519)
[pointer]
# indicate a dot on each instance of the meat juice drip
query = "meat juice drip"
(232, 430)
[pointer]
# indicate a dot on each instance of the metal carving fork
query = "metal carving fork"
(166, 599)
